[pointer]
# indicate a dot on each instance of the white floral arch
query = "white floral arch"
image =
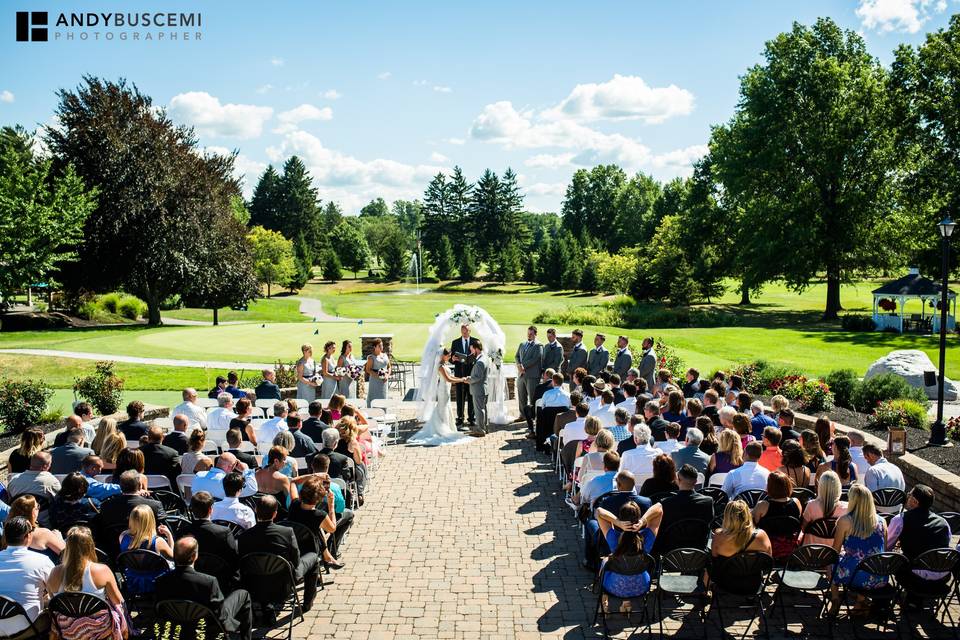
(484, 328)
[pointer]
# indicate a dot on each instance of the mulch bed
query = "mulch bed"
(10, 440)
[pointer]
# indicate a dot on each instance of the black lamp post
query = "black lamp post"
(938, 430)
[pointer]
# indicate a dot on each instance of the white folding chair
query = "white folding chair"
(216, 435)
(258, 412)
(301, 464)
(700, 480)
(184, 483)
(105, 478)
(265, 404)
(60, 476)
(210, 446)
(164, 423)
(158, 482)
(263, 448)
(206, 402)
(716, 480)
(133, 444)
(301, 402)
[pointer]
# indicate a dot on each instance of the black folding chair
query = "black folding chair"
(751, 496)
(179, 526)
(720, 499)
(821, 528)
(953, 519)
(251, 501)
(189, 617)
(880, 565)
(781, 528)
(140, 563)
(743, 576)
(889, 500)
(215, 566)
(659, 497)
(74, 605)
(10, 609)
(806, 571)
(804, 495)
(307, 541)
(624, 566)
(271, 581)
(173, 504)
(681, 575)
(689, 533)
(937, 592)
(235, 529)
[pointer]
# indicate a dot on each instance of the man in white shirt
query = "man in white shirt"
(269, 429)
(23, 575)
(639, 460)
(882, 474)
(219, 419)
(750, 475)
(630, 400)
(603, 483)
(573, 431)
(671, 444)
(856, 453)
(212, 480)
(605, 410)
(189, 407)
(230, 508)
(555, 396)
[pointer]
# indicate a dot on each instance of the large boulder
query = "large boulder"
(910, 364)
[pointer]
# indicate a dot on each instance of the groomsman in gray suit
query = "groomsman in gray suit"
(552, 351)
(478, 388)
(623, 359)
(648, 364)
(577, 358)
(598, 357)
(529, 360)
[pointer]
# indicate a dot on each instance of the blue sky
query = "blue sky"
(378, 97)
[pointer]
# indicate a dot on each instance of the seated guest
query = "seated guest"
(741, 424)
(285, 440)
(272, 481)
(129, 459)
(629, 443)
(777, 404)
(267, 389)
(785, 420)
(194, 454)
(710, 444)
(794, 464)
(99, 491)
(692, 385)
(594, 546)
(604, 410)
(72, 505)
(759, 420)
(729, 455)
(639, 460)
(24, 576)
(116, 511)
(215, 539)
(881, 474)
(177, 439)
(313, 426)
(186, 583)
(555, 396)
(690, 453)
(918, 530)
(230, 508)
(211, 480)
(32, 441)
(315, 510)
(686, 504)
(737, 535)
(221, 383)
(688, 419)
(577, 430)
(658, 426)
(824, 430)
(143, 533)
(827, 504)
(269, 429)
(664, 477)
(133, 428)
(234, 440)
(349, 445)
(158, 459)
(46, 541)
(856, 452)
(673, 412)
(772, 457)
(620, 431)
(220, 417)
(71, 423)
(243, 420)
(671, 444)
(195, 414)
(810, 443)
(629, 402)
(266, 536)
(113, 445)
(601, 484)
(628, 536)
(710, 408)
(615, 388)
(778, 504)
(726, 414)
(84, 412)
(320, 465)
(81, 573)
(304, 446)
(68, 457)
(842, 463)
(859, 534)
(749, 475)
(36, 480)
(232, 380)
(340, 466)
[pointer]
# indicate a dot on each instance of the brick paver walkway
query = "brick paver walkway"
(471, 541)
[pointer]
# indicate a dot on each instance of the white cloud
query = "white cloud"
(384, 75)
(420, 83)
(456, 141)
(622, 98)
(350, 180)
(277, 61)
(442, 89)
(6, 96)
(439, 158)
(549, 161)
(331, 94)
(898, 15)
(546, 189)
(264, 88)
(681, 159)
(305, 112)
(245, 168)
(210, 117)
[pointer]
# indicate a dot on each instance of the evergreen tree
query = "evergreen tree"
(330, 266)
(467, 267)
(588, 279)
(483, 209)
(303, 264)
(332, 215)
(376, 208)
(443, 260)
(266, 205)
(395, 254)
(459, 192)
(530, 268)
(572, 258)
(300, 208)
(435, 222)
(507, 263)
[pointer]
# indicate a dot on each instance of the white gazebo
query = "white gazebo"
(912, 286)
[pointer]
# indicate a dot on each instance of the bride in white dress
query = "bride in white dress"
(439, 426)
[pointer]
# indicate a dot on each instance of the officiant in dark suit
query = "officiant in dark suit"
(462, 366)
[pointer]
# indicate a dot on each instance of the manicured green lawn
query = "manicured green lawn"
(63, 399)
(275, 309)
(61, 372)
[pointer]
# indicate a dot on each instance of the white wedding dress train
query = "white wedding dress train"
(439, 427)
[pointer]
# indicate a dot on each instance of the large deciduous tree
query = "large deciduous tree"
(273, 257)
(808, 155)
(350, 246)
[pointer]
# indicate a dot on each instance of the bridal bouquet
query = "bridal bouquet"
(340, 372)
(382, 374)
(355, 370)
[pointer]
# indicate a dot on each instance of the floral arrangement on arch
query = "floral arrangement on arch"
(887, 304)
(470, 315)
(497, 358)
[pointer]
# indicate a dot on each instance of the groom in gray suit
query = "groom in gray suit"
(478, 388)
(529, 360)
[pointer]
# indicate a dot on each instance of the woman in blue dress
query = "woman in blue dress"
(859, 534)
(376, 362)
(306, 372)
(345, 384)
(327, 368)
(143, 533)
(627, 536)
